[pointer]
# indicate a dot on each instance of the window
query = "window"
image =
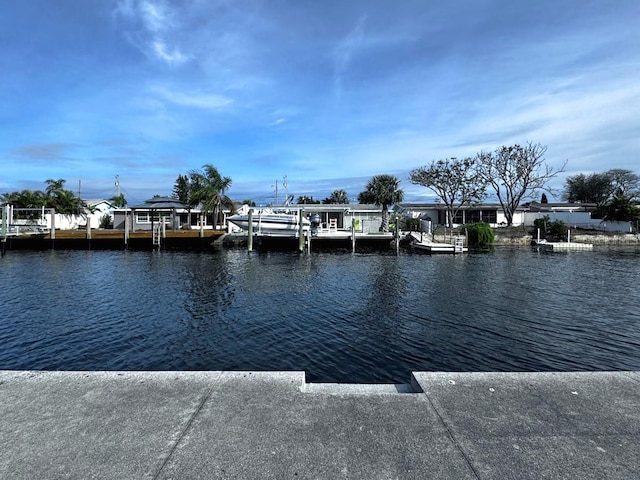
(490, 216)
(472, 216)
(148, 217)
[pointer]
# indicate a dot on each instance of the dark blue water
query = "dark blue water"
(339, 317)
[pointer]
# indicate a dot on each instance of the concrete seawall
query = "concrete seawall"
(132, 425)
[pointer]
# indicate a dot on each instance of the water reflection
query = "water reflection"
(343, 317)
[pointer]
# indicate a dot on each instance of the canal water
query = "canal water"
(340, 317)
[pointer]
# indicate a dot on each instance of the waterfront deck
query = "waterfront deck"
(421, 242)
(563, 246)
(244, 425)
(113, 239)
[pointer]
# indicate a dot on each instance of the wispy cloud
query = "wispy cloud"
(43, 152)
(153, 28)
(344, 52)
(162, 51)
(207, 101)
(328, 90)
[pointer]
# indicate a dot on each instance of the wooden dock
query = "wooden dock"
(421, 242)
(563, 246)
(107, 239)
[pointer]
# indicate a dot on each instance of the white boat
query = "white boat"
(270, 222)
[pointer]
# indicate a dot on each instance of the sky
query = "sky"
(318, 94)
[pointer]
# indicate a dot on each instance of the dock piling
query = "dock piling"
(126, 230)
(300, 231)
(3, 232)
(353, 235)
(250, 232)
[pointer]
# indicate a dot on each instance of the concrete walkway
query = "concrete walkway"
(241, 425)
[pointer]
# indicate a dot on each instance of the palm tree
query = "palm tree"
(208, 189)
(54, 187)
(382, 190)
(26, 199)
(337, 196)
(67, 203)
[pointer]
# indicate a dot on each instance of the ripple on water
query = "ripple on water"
(340, 317)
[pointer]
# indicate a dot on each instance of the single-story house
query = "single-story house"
(170, 210)
(365, 218)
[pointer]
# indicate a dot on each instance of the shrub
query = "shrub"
(105, 221)
(556, 230)
(410, 224)
(480, 235)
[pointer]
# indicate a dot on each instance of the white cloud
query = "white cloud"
(207, 101)
(154, 27)
(344, 52)
(154, 16)
(162, 52)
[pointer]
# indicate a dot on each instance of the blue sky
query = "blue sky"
(327, 93)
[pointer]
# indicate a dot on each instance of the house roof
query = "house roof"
(158, 203)
(92, 202)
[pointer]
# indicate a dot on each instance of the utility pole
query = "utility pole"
(286, 192)
(276, 203)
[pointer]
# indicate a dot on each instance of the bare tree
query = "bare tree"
(516, 173)
(456, 182)
(624, 183)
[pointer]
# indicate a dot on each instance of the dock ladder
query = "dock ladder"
(458, 244)
(155, 235)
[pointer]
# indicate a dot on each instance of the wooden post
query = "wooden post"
(164, 233)
(353, 235)
(88, 228)
(126, 229)
(5, 214)
(396, 231)
(52, 231)
(300, 231)
(250, 231)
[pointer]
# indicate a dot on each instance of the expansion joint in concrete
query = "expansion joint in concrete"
(452, 436)
(184, 431)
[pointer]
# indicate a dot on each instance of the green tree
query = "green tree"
(26, 199)
(248, 202)
(337, 196)
(543, 199)
(118, 201)
(67, 203)
(54, 187)
(620, 209)
(455, 181)
(588, 188)
(306, 200)
(208, 189)
(382, 190)
(106, 221)
(515, 173)
(182, 190)
(556, 230)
